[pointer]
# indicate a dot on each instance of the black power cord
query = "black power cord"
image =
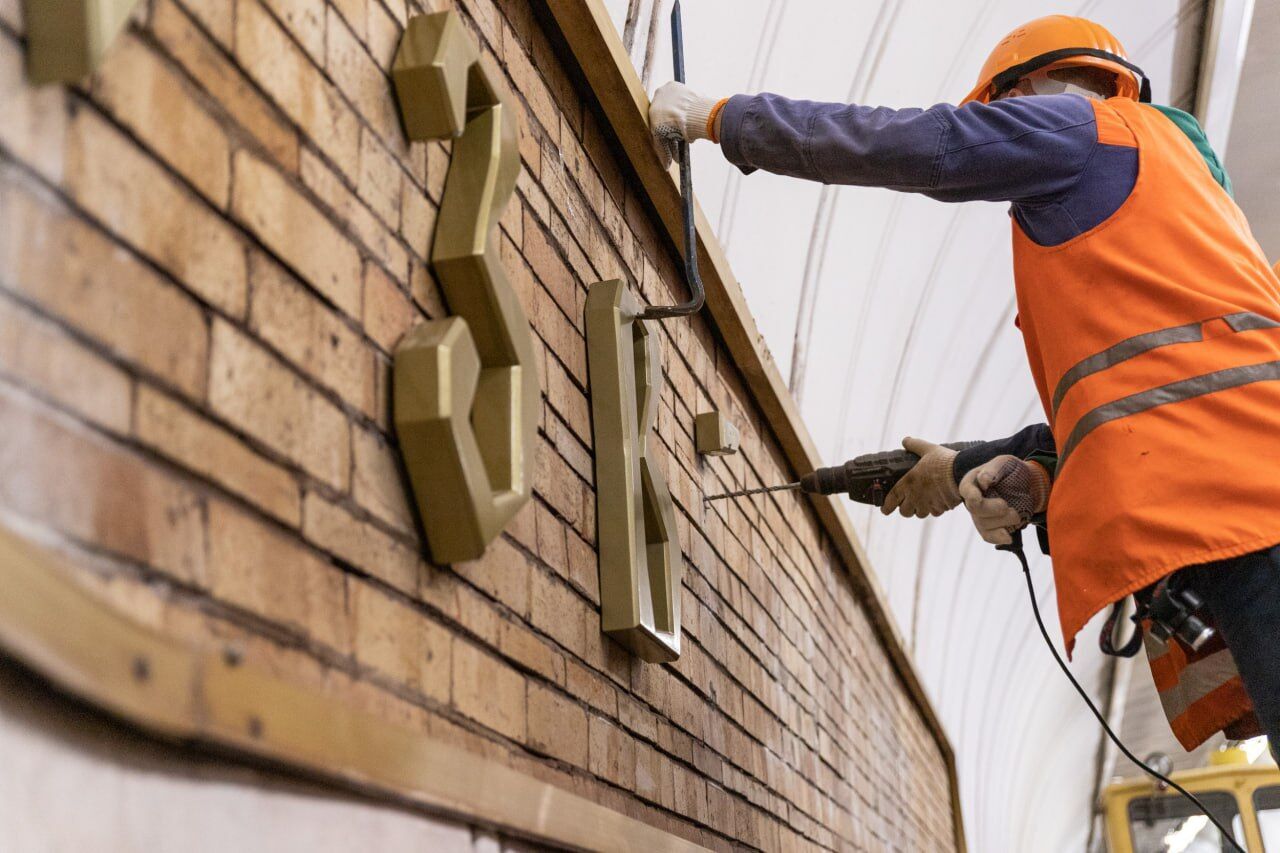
(1016, 549)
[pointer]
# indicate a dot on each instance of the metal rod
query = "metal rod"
(783, 488)
(684, 309)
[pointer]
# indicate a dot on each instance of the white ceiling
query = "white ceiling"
(911, 305)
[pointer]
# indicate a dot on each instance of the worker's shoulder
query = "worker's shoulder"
(1044, 113)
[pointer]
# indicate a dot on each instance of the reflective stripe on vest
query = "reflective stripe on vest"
(1196, 680)
(1174, 392)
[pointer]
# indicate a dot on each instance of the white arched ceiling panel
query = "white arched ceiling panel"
(904, 311)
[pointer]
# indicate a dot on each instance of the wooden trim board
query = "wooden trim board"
(211, 695)
(597, 52)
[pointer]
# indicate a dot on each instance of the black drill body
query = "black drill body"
(869, 477)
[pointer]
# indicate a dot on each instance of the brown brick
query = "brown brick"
(557, 611)
(388, 312)
(271, 575)
(549, 268)
(557, 726)
(138, 200)
(35, 118)
(613, 753)
(35, 353)
(205, 448)
(562, 489)
(384, 31)
(150, 99)
(99, 288)
(530, 85)
(399, 641)
(297, 86)
(584, 567)
(376, 482)
(256, 392)
(379, 180)
(562, 336)
(362, 80)
(690, 794)
(488, 691)
(297, 232)
(336, 530)
(487, 20)
(359, 221)
(478, 615)
(305, 21)
(551, 541)
(310, 335)
(355, 14)
(519, 643)
(120, 504)
(591, 688)
(519, 275)
(438, 162)
(217, 16)
(503, 572)
(637, 718)
(426, 292)
(418, 218)
(223, 81)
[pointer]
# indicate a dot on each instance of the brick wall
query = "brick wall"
(208, 251)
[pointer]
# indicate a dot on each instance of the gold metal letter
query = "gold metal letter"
(466, 390)
(66, 38)
(640, 562)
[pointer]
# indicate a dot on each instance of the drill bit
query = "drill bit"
(783, 488)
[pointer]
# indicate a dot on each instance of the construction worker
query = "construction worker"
(1152, 328)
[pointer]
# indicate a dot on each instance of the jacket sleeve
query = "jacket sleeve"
(1034, 440)
(1037, 438)
(1020, 149)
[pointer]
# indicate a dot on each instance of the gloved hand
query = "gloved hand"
(677, 112)
(928, 489)
(1026, 484)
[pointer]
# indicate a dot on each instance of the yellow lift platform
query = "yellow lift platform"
(1142, 819)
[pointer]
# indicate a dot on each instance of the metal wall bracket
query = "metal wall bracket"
(465, 392)
(715, 435)
(640, 562)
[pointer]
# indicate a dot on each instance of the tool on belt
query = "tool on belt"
(1172, 611)
(865, 479)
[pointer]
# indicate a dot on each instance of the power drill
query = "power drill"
(865, 479)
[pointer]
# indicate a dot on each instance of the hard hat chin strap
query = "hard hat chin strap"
(1010, 76)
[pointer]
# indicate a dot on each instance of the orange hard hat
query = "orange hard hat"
(1058, 41)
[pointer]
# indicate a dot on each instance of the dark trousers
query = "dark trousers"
(1243, 595)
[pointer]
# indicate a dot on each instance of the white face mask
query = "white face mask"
(1041, 83)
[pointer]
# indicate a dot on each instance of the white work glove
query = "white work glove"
(677, 112)
(928, 489)
(1024, 484)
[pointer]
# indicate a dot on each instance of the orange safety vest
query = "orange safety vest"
(1154, 341)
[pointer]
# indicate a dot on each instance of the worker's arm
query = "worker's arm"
(1020, 149)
